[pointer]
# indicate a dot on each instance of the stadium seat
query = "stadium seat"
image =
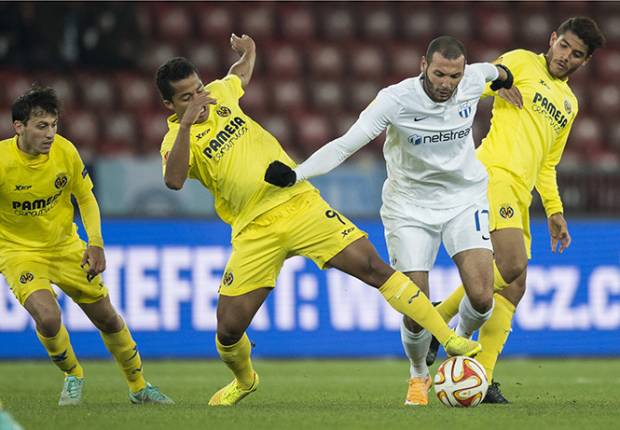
(313, 131)
(361, 93)
(607, 64)
(404, 61)
(378, 24)
(327, 61)
(136, 92)
(535, 29)
(174, 22)
(338, 24)
(206, 57)
(256, 97)
(457, 23)
(283, 60)
(606, 100)
(17, 86)
(586, 135)
(97, 91)
(258, 21)
(289, 95)
(215, 21)
(120, 134)
(6, 124)
(297, 23)
(495, 27)
(367, 61)
(280, 127)
(418, 23)
(80, 126)
(152, 129)
(327, 95)
(158, 54)
(65, 90)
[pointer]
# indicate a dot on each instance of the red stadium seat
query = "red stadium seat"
(313, 131)
(495, 27)
(153, 127)
(418, 24)
(97, 91)
(379, 24)
(137, 92)
(280, 127)
(362, 93)
(65, 90)
(120, 133)
(6, 124)
(367, 61)
(606, 100)
(206, 58)
(338, 23)
(298, 23)
(607, 64)
(327, 61)
(458, 24)
(610, 25)
(157, 55)
(535, 29)
(215, 20)
(289, 96)
(173, 22)
(404, 61)
(258, 21)
(613, 137)
(80, 126)
(586, 135)
(283, 60)
(327, 96)
(256, 98)
(341, 123)
(17, 86)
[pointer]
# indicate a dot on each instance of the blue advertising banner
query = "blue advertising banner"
(163, 277)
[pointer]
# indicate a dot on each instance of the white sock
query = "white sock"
(416, 346)
(470, 319)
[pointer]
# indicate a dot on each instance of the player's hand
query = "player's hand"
(558, 229)
(94, 259)
(242, 44)
(512, 96)
(198, 104)
(281, 175)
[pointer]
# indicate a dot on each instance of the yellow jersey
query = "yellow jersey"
(529, 142)
(36, 212)
(229, 154)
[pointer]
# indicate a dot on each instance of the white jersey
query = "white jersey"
(429, 149)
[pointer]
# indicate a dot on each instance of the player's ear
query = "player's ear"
(423, 65)
(169, 105)
(553, 38)
(19, 127)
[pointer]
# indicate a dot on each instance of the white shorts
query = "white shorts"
(413, 236)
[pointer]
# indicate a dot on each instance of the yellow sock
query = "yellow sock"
(498, 280)
(237, 358)
(405, 296)
(494, 332)
(125, 351)
(61, 352)
(450, 306)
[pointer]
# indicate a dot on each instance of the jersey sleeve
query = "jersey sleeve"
(546, 183)
(382, 111)
(514, 60)
(232, 85)
(81, 183)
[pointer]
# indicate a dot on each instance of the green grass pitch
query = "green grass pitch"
(335, 394)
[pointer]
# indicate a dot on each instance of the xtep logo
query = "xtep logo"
(22, 187)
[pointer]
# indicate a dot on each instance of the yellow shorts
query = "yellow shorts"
(509, 204)
(30, 271)
(305, 225)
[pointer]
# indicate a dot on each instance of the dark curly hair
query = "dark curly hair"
(586, 29)
(37, 97)
(173, 70)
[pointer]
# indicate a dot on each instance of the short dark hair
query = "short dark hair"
(448, 46)
(173, 70)
(586, 29)
(36, 97)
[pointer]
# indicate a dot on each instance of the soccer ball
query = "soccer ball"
(461, 382)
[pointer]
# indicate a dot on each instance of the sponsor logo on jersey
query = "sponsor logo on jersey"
(465, 110)
(419, 118)
(223, 111)
(228, 279)
(506, 211)
(440, 137)
(25, 277)
(35, 207)
(225, 139)
(346, 232)
(61, 181)
(544, 84)
(201, 135)
(567, 106)
(552, 113)
(22, 187)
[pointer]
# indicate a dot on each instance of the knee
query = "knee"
(110, 322)
(482, 300)
(228, 334)
(512, 269)
(48, 323)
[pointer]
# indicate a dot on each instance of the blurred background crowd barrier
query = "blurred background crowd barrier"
(319, 64)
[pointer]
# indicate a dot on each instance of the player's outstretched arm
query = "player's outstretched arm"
(244, 67)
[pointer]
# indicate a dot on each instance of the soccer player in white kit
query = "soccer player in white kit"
(435, 189)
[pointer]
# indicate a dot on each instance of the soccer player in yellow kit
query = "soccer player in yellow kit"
(39, 244)
(521, 152)
(212, 140)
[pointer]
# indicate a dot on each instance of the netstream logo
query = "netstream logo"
(441, 137)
